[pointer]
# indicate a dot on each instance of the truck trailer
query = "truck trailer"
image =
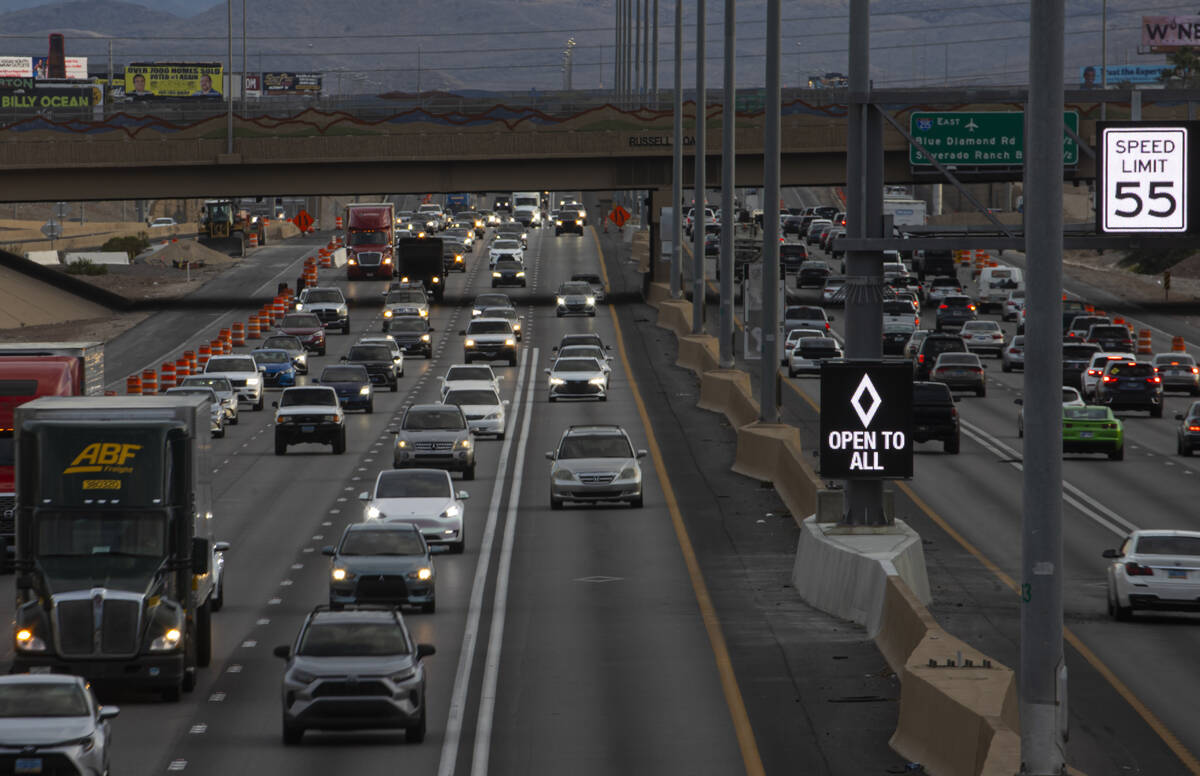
(117, 570)
(29, 370)
(370, 236)
(419, 260)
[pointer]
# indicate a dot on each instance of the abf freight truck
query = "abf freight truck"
(117, 572)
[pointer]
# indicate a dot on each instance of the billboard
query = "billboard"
(16, 67)
(1164, 33)
(1089, 75)
(292, 83)
(76, 67)
(150, 80)
(48, 97)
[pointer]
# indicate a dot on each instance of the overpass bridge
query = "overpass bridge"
(155, 150)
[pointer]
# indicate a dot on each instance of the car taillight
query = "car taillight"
(1138, 570)
(826, 324)
(1193, 428)
(920, 358)
(977, 370)
(1093, 372)
(1108, 426)
(1109, 379)
(942, 307)
(954, 412)
(1196, 370)
(1155, 379)
(970, 307)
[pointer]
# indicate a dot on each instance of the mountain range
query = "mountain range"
(365, 46)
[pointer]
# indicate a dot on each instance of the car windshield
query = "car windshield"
(944, 283)
(408, 323)
(1131, 370)
(344, 374)
(958, 359)
(42, 699)
(231, 364)
(414, 484)
(804, 314)
(818, 343)
(294, 397)
(581, 351)
(470, 373)
(290, 344)
(576, 365)
(483, 301)
(194, 391)
(221, 384)
(575, 288)
(898, 307)
(431, 419)
(957, 301)
(1168, 545)
(324, 295)
(300, 322)
(594, 279)
(579, 339)
(489, 327)
(397, 297)
(364, 238)
(1175, 359)
(271, 357)
(369, 353)
(500, 312)
(607, 446)
(981, 326)
(381, 542)
(1069, 394)
(1084, 413)
(353, 639)
(506, 245)
(931, 393)
(1078, 351)
(509, 265)
(472, 396)
(1109, 331)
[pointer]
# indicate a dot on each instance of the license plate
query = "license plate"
(1171, 574)
(28, 765)
(959, 372)
(1086, 434)
(308, 429)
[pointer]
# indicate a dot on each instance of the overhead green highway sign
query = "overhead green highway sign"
(980, 138)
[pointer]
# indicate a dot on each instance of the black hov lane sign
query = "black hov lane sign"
(866, 420)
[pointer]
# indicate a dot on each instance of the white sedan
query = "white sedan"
(424, 497)
(1157, 570)
(482, 406)
(469, 376)
(983, 336)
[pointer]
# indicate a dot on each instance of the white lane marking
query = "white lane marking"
(491, 666)
(462, 677)
(198, 729)
(1072, 495)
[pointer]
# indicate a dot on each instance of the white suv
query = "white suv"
(244, 375)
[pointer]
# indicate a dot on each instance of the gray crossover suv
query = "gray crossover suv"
(435, 436)
(595, 463)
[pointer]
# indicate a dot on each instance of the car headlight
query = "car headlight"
(563, 475)
(628, 473)
(424, 338)
(494, 416)
(251, 382)
(436, 279)
(302, 358)
(340, 574)
(451, 511)
(425, 573)
(557, 381)
(520, 274)
(301, 677)
(590, 301)
(331, 418)
(597, 381)
(299, 306)
(470, 343)
(578, 222)
(364, 391)
(400, 443)
(373, 513)
(510, 342)
(517, 326)
(423, 313)
(496, 274)
(558, 221)
(28, 642)
(562, 300)
(387, 313)
(168, 641)
(464, 444)
(404, 675)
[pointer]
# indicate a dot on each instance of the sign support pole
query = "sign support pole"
(229, 80)
(768, 401)
(700, 184)
(1042, 676)
(677, 162)
(728, 130)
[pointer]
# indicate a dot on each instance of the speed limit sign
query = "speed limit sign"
(1144, 179)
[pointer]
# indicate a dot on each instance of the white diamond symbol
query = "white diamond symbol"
(866, 414)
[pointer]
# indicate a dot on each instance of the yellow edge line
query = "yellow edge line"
(729, 685)
(1188, 759)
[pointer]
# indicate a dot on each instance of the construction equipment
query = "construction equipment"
(225, 227)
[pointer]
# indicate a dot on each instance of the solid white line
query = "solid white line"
(491, 669)
(462, 677)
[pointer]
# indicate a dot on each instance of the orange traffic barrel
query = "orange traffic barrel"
(252, 330)
(1090, 308)
(326, 262)
(167, 379)
(1119, 320)
(1177, 344)
(190, 355)
(338, 222)
(133, 385)
(149, 381)
(226, 337)
(1145, 343)
(182, 369)
(280, 308)
(238, 335)
(254, 239)
(205, 354)
(217, 347)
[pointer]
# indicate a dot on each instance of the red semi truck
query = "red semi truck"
(29, 370)
(370, 240)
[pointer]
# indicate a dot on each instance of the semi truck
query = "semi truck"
(117, 570)
(419, 260)
(905, 212)
(370, 236)
(29, 370)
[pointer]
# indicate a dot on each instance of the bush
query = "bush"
(86, 267)
(1152, 261)
(132, 245)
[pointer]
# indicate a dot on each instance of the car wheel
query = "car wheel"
(604, 397)
(951, 445)
(429, 608)
(218, 596)
(1185, 450)
(469, 472)
(321, 352)
(416, 733)
(1121, 613)
(1156, 411)
(981, 391)
(280, 447)
(791, 372)
(233, 421)
(493, 284)
(459, 547)
(1005, 367)
(204, 635)
(339, 444)
(395, 386)
(513, 362)
(636, 502)
(551, 398)
(258, 405)
(346, 327)
(173, 694)
(556, 503)
(370, 408)
(292, 734)
(1118, 454)
(219, 433)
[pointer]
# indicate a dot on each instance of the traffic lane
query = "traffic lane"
(603, 639)
(169, 332)
(262, 485)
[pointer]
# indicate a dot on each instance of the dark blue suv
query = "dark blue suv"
(353, 386)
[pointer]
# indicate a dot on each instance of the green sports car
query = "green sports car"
(1093, 429)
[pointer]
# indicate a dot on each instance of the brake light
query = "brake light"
(1138, 570)
(920, 358)
(1155, 379)
(1109, 379)
(1193, 428)
(826, 324)
(942, 307)
(1093, 372)
(954, 412)
(1196, 370)
(970, 307)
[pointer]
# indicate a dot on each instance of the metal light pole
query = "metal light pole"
(229, 88)
(645, 50)
(698, 223)
(728, 128)
(1104, 56)
(617, 54)
(654, 57)
(244, 65)
(636, 21)
(677, 161)
(1042, 679)
(768, 396)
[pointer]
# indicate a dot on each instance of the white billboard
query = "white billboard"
(16, 67)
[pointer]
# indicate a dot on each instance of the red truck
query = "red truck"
(29, 370)
(370, 240)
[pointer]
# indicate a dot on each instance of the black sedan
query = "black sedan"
(508, 272)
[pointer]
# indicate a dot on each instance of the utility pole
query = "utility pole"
(654, 57)
(1104, 57)
(229, 86)
(637, 43)
(768, 389)
(677, 162)
(728, 128)
(245, 67)
(1042, 679)
(698, 223)
(645, 50)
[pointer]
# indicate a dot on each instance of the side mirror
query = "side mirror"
(283, 651)
(506, 402)
(985, 366)
(550, 456)
(462, 332)
(328, 550)
(432, 329)
(1019, 402)
(642, 453)
(1111, 554)
(343, 358)
(547, 370)
(462, 495)
(108, 712)
(364, 496)
(609, 347)
(1178, 416)
(221, 547)
(831, 318)
(275, 404)
(425, 650)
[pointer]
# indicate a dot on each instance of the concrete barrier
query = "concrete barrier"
(698, 352)
(728, 392)
(954, 719)
(658, 292)
(675, 315)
